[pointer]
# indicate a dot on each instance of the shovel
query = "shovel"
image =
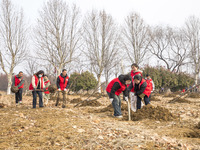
(129, 110)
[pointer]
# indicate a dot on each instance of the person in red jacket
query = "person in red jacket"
(62, 85)
(19, 82)
(141, 90)
(37, 87)
(46, 92)
(150, 83)
(114, 89)
(134, 71)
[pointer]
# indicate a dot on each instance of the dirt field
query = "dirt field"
(160, 126)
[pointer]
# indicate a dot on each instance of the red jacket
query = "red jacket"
(36, 82)
(17, 82)
(45, 83)
(119, 91)
(138, 72)
(149, 82)
(63, 84)
(147, 90)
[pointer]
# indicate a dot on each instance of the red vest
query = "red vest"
(149, 81)
(133, 74)
(36, 82)
(147, 90)
(17, 81)
(45, 83)
(110, 85)
(63, 84)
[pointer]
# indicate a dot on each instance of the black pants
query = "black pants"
(146, 100)
(18, 95)
(35, 98)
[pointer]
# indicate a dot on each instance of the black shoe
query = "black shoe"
(34, 107)
(63, 106)
(41, 106)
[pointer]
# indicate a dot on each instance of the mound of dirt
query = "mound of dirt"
(52, 88)
(93, 103)
(2, 105)
(76, 100)
(14, 89)
(153, 98)
(154, 113)
(194, 95)
(181, 100)
(193, 134)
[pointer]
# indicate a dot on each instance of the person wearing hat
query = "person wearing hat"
(150, 83)
(37, 87)
(114, 89)
(141, 89)
(19, 82)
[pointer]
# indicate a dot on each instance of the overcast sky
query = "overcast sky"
(166, 12)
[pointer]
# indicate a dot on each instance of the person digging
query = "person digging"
(141, 89)
(19, 82)
(114, 89)
(62, 86)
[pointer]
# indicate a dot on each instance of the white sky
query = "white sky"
(154, 12)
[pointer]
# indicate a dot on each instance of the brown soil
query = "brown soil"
(153, 98)
(170, 95)
(109, 108)
(76, 100)
(74, 128)
(154, 113)
(194, 95)
(52, 88)
(93, 103)
(181, 100)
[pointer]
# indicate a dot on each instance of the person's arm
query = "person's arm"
(68, 83)
(21, 82)
(142, 88)
(33, 82)
(115, 87)
(130, 86)
(58, 83)
(126, 92)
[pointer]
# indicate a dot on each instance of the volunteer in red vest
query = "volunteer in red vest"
(150, 83)
(114, 89)
(37, 87)
(134, 71)
(62, 85)
(46, 92)
(19, 82)
(141, 89)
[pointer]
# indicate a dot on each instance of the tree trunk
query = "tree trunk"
(196, 77)
(9, 83)
(99, 83)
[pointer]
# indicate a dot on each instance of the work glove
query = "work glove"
(126, 99)
(59, 89)
(111, 99)
(65, 89)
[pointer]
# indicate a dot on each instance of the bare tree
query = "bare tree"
(135, 38)
(31, 66)
(13, 39)
(57, 33)
(192, 31)
(169, 46)
(101, 41)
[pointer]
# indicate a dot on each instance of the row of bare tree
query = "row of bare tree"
(63, 38)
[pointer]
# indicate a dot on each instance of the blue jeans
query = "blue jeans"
(116, 103)
(35, 98)
(18, 95)
(146, 100)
